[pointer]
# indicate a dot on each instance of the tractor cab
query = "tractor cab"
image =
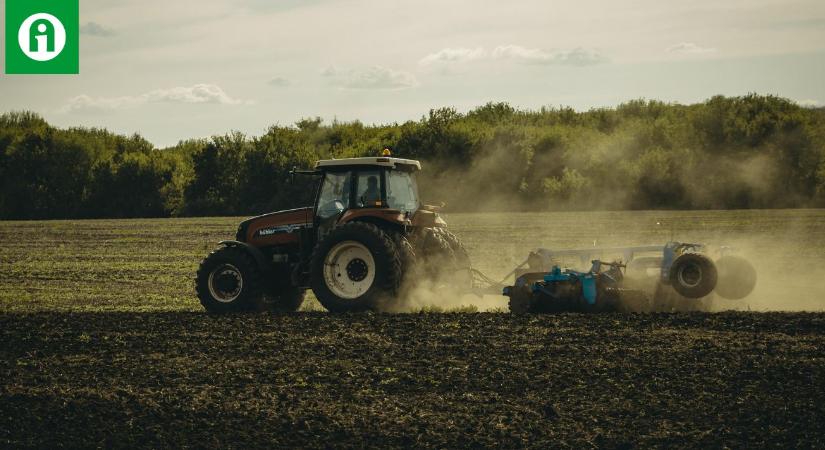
(357, 187)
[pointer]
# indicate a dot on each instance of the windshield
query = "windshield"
(334, 196)
(402, 192)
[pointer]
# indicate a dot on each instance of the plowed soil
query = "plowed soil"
(103, 344)
(435, 380)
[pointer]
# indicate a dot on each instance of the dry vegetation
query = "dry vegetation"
(104, 344)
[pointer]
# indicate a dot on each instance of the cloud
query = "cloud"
(279, 82)
(86, 102)
(689, 48)
(375, 77)
(453, 55)
(199, 93)
(574, 57)
(96, 29)
(810, 103)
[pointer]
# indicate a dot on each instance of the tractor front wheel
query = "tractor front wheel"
(228, 280)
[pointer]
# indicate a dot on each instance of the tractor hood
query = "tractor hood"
(275, 228)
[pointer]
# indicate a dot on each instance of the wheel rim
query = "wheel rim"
(225, 283)
(690, 275)
(349, 269)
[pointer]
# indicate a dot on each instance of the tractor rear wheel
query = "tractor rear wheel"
(405, 250)
(435, 250)
(444, 259)
(355, 267)
(228, 280)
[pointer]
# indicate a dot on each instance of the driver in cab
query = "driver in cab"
(372, 195)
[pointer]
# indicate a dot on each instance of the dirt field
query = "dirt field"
(104, 344)
(455, 380)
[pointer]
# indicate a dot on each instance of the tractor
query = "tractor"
(365, 234)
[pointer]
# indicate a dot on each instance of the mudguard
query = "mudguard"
(259, 257)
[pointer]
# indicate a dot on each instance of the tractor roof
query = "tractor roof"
(382, 161)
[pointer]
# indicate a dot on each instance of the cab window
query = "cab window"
(368, 189)
(402, 192)
(334, 196)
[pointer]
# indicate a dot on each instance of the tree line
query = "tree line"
(752, 151)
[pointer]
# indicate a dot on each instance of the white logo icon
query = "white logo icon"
(41, 37)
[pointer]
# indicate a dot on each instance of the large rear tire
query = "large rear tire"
(444, 260)
(693, 275)
(228, 280)
(355, 268)
(436, 253)
(406, 253)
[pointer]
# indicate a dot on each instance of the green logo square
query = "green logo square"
(42, 36)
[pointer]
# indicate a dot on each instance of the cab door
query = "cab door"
(333, 200)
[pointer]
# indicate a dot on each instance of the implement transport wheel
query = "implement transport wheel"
(355, 267)
(693, 275)
(737, 277)
(228, 280)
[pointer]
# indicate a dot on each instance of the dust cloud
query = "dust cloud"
(440, 294)
(610, 174)
(446, 291)
(786, 247)
(789, 278)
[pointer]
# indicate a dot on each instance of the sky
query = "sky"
(173, 70)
